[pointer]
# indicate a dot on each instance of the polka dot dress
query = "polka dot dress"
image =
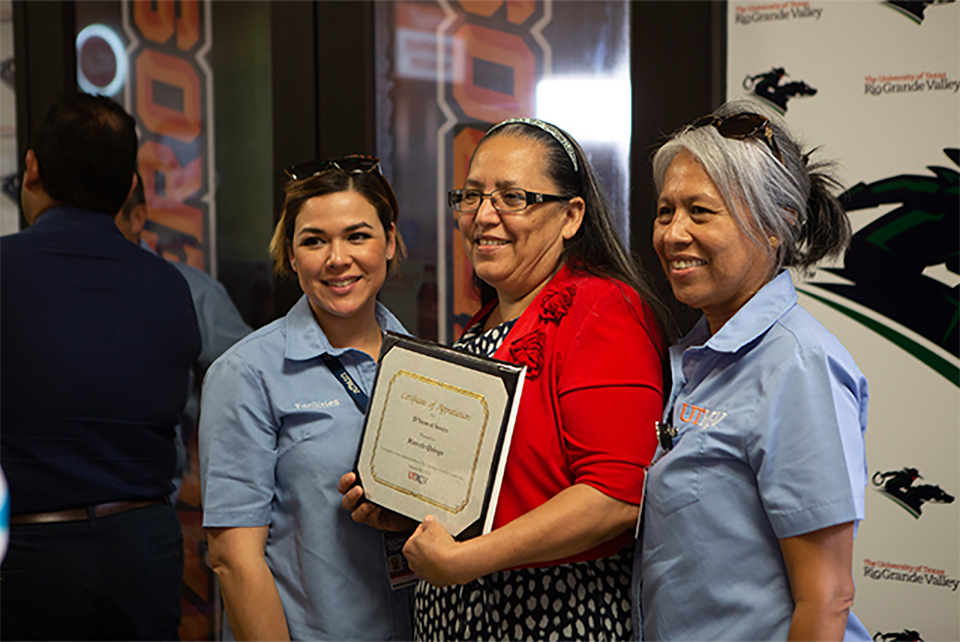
(484, 344)
(581, 601)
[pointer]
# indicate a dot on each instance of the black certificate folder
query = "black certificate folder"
(437, 433)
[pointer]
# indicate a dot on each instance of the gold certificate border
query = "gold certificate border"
(476, 457)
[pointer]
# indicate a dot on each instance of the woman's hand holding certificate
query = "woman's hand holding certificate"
(367, 513)
(431, 553)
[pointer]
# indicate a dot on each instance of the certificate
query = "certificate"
(437, 433)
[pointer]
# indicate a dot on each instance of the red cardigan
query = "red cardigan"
(594, 389)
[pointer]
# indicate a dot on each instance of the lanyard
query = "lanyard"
(347, 382)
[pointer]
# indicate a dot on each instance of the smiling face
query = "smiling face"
(711, 262)
(339, 253)
(517, 252)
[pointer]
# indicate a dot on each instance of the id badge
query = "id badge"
(398, 570)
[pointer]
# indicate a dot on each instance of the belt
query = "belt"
(88, 512)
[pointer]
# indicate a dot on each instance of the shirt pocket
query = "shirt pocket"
(318, 445)
(676, 479)
(298, 426)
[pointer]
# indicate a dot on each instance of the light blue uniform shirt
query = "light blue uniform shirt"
(277, 431)
(220, 327)
(220, 322)
(771, 413)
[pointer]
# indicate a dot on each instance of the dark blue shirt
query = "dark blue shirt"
(97, 338)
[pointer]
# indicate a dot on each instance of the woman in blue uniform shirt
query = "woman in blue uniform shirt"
(758, 484)
(277, 427)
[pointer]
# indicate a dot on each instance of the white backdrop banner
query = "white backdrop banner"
(876, 85)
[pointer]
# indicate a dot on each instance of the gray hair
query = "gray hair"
(792, 201)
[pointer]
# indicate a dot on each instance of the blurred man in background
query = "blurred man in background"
(220, 323)
(98, 340)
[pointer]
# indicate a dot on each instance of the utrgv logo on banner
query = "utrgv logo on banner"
(905, 265)
(918, 574)
(898, 486)
(913, 9)
(907, 83)
(767, 87)
(768, 12)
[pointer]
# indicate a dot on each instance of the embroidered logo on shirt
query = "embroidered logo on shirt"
(317, 405)
(702, 417)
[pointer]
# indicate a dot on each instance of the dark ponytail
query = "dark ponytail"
(826, 231)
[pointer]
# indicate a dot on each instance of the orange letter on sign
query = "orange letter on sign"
(487, 105)
(188, 24)
(155, 25)
(464, 298)
(181, 182)
(517, 10)
(154, 66)
(169, 209)
(485, 8)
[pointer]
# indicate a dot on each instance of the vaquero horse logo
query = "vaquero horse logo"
(905, 265)
(767, 87)
(898, 486)
(913, 9)
(10, 186)
(906, 635)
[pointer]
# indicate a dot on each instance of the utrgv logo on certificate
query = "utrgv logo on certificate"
(417, 477)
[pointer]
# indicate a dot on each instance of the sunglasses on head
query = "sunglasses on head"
(353, 164)
(742, 126)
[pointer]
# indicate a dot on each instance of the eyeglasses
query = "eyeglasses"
(508, 200)
(353, 164)
(742, 126)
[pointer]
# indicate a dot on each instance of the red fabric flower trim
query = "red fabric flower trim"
(528, 351)
(557, 301)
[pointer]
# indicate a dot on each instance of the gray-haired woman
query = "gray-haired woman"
(758, 482)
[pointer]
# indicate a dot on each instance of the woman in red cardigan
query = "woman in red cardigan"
(561, 295)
